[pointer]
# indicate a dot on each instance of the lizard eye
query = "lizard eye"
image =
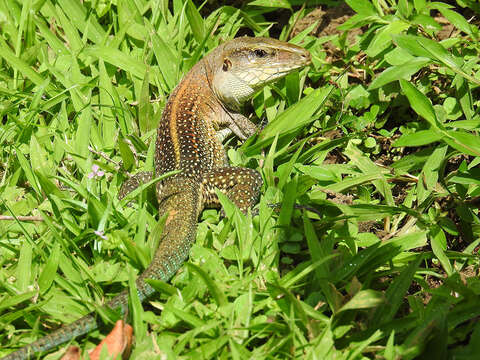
(227, 64)
(260, 53)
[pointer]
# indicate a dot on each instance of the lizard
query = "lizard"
(208, 101)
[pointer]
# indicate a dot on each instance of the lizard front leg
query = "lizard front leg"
(235, 123)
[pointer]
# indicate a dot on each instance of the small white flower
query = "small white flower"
(100, 234)
(96, 172)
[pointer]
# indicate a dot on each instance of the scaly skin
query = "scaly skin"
(207, 100)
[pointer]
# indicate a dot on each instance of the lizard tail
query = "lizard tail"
(60, 336)
(182, 206)
(179, 199)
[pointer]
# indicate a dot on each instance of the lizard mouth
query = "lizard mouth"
(261, 76)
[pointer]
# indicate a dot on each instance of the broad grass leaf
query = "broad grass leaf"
(383, 38)
(136, 308)
(96, 210)
(364, 299)
(389, 353)
(189, 318)
(412, 44)
(303, 270)
(289, 303)
(196, 21)
(439, 53)
(427, 22)
(292, 119)
(359, 347)
(318, 252)
(472, 176)
(117, 58)
(455, 19)
(362, 7)
(27, 169)
(321, 173)
(285, 171)
(292, 84)
(238, 351)
(39, 159)
(134, 193)
(322, 149)
(57, 236)
(370, 258)
(82, 20)
(399, 56)
(209, 349)
(162, 287)
(130, 20)
(245, 235)
(281, 4)
(394, 73)
(429, 176)
(49, 272)
(324, 346)
(464, 96)
(22, 66)
(77, 188)
(368, 167)
(127, 155)
(16, 299)
(366, 212)
(421, 46)
(432, 166)
(167, 60)
(395, 293)
(145, 109)
(24, 267)
(82, 138)
(418, 138)
(349, 182)
(288, 202)
(438, 241)
(405, 8)
(107, 101)
(48, 187)
(55, 43)
(227, 205)
(140, 235)
(464, 142)
(135, 251)
(297, 115)
(420, 103)
(71, 33)
(24, 27)
(217, 294)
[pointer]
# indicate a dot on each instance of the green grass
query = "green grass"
(373, 250)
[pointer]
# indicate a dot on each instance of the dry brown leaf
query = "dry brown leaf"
(118, 342)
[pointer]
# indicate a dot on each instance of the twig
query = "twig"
(21, 218)
(103, 155)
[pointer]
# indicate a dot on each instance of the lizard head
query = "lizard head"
(244, 65)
